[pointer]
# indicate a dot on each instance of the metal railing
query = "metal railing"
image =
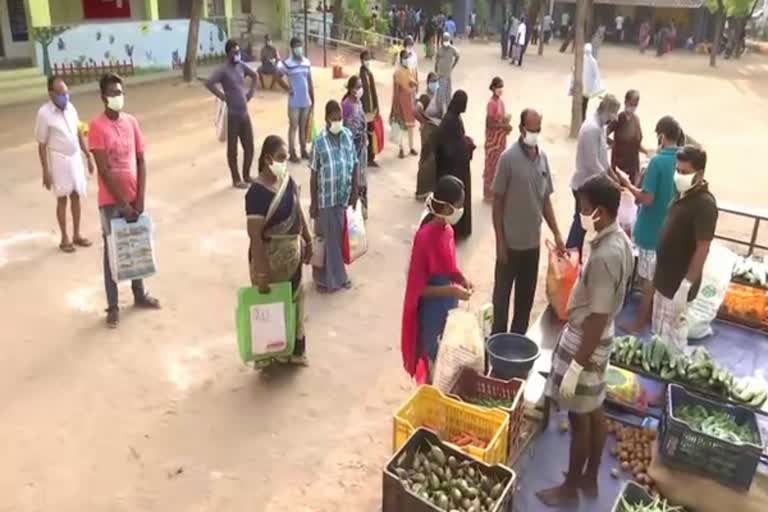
(319, 31)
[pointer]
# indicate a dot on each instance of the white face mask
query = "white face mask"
(531, 139)
(588, 223)
(433, 86)
(451, 219)
(279, 169)
(115, 103)
(367, 64)
(684, 182)
(335, 127)
(631, 109)
(359, 93)
(446, 43)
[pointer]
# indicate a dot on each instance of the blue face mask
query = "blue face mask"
(61, 100)
(433, 87)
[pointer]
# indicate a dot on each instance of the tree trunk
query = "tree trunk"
(542, 10)
(578, 66)
(190, 60)
(589, 20)
(719, 22)
(338, 18)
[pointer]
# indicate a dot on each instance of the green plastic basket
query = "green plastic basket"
(280, 293)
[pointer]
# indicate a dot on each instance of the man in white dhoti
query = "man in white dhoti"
(59, 145)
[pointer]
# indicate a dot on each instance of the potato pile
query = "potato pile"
(633, 450)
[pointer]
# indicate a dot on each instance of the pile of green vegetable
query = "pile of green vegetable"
(447, 483)
(492, 402)
(698, 369)
(657, 505)
(716, 423)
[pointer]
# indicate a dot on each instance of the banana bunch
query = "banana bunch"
(698, 369)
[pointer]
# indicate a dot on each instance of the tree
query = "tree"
(45, 36)
(190, 59)
(338, 18)
(578, 67)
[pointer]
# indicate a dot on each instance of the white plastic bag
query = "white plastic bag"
(627, 211)
(221, 121)
(714, 285)
(461, 345)
(131, 249)
(395, 133)
(356, 233)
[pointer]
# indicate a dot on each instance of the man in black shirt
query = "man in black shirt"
(683, 247)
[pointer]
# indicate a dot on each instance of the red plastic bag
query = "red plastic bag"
(378, 135)
(562, 273)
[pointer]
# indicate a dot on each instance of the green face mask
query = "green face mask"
(298, 51)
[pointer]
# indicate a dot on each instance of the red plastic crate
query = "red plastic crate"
(469, 386)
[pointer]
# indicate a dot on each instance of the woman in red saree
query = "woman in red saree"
(435, 282)
(497, 128)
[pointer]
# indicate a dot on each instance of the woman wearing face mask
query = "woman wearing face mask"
(435, 281)
(429, 114)
(497, 128)
(627, 138)
(453, 156)
(402, 103)
(333, 187)
(279, 235)
(354, 120)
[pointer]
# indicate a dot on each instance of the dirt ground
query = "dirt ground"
(161, 414)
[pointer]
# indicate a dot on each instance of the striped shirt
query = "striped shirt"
(299, 73)
(333, 159)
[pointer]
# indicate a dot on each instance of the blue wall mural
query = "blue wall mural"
(153, 45)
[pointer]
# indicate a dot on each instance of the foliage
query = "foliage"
(731, 7)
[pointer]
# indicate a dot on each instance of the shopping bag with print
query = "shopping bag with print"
(266, 322)
(131, 249)
(356, 239)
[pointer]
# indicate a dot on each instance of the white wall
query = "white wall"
(12, 49)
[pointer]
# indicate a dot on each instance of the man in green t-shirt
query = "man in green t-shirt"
(656, 194)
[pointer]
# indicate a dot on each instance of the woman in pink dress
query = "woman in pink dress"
(497, 128)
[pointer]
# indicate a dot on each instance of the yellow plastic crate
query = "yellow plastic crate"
(448, 417)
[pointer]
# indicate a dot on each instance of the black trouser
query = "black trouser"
(520, 271)
(504, 45)
(584, 106)
(522, 53)
(547, 36)
(239, 128)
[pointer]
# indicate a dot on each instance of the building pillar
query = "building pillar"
(151, 11)
(38, 13)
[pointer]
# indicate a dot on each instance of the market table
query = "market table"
(742, 350)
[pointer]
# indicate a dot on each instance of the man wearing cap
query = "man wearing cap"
(683, 247)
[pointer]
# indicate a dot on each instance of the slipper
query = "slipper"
(147, 302)
(82, 242)
(68, 248)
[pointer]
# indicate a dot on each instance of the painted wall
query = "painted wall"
(157, 45)
(66, 11)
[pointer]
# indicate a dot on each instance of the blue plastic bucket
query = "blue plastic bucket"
(511, 355)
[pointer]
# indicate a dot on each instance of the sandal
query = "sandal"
(113, 318)
(147, 302)
(82, 242)
(67, 247)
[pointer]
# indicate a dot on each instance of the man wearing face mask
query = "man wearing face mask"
(683, 247)
(333, 187)
(591, 158)
(301, 97)
(370, 101)
(654, 196)
(59, 144)
(522, 191)
(577, 381)
(445, 61)
(118, 148)
(227, 82)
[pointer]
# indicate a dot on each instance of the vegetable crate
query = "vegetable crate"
(449, 417)
(632, 494)
(474, 388)
(397, 497)
(746, 305)
(683, 447)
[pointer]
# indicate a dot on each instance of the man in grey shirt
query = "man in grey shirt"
(227, 82)
(522, 196)
(446, 59)
(591, 158)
